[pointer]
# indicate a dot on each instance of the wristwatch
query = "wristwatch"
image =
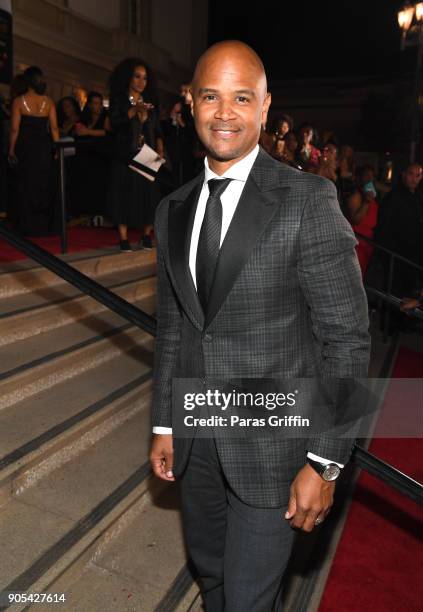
(328, 472)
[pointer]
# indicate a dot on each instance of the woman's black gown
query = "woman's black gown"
(34, 213)
(91, 169)
(132, 199)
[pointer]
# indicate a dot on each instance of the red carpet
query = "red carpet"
(379, 559)
(79, 239)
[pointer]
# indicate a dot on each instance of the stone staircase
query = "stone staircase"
(79, 511)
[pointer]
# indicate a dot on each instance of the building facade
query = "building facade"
(77, 42)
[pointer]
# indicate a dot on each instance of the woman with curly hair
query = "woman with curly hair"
(134, 120)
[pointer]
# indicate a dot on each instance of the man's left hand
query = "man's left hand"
(311, 499)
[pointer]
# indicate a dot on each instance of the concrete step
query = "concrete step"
(42, 432)
(82, 504)
(56, 294)
(133, 570)
(25, 354)
(27, 323)
(69, 365)
(79, 512)
(191, 602)
(75, 256)
(24, 277)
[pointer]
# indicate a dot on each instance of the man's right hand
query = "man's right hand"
(161, 456)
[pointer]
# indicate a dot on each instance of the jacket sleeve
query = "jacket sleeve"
(331, 281)
(169, 322)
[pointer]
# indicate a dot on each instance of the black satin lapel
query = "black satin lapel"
(181, 220)
(254, 211)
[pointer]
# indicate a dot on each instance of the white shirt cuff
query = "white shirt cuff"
(322, 460)
(168, 430)
(162, 430)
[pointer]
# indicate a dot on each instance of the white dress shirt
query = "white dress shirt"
(230, 197)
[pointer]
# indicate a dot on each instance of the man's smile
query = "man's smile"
(224, 132)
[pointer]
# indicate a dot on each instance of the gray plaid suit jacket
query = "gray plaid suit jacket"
(287, 301)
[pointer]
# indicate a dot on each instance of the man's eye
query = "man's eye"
(242, 99)
(209, 97)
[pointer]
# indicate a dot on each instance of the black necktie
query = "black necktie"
(209, 240)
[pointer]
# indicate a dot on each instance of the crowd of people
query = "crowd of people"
(101, 140)
(388, 214)
(99, 180)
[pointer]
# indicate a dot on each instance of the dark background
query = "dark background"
(298, 38)
(337, 64)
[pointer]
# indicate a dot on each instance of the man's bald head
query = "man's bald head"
(230, 101)
(227, 50)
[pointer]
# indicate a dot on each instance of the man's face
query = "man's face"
(306, 135)
(412, 177)
(368, 176)
(230, 105)
(330, 153)
(283, 128)
(68, 109)
(291, 142)
(96, 105)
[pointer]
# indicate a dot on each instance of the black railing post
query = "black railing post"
(64, 235)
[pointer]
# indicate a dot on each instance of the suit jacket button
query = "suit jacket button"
(208, 337)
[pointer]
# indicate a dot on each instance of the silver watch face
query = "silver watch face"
(331, 472)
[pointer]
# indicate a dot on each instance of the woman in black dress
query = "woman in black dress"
(134, 121)
(33, 127)
(92, 158)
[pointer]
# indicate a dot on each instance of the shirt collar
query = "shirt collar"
(237, 172)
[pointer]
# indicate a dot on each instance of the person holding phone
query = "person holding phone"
(134, 121)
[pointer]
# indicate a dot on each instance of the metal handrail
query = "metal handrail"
(82, 282)
(393, 301)
(389, 251)
(128, 311)
(393, 256)
(382, 470)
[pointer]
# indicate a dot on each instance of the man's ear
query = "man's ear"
(191, 103)
(266, 105)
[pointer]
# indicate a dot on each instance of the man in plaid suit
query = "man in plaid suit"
(257, 278)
